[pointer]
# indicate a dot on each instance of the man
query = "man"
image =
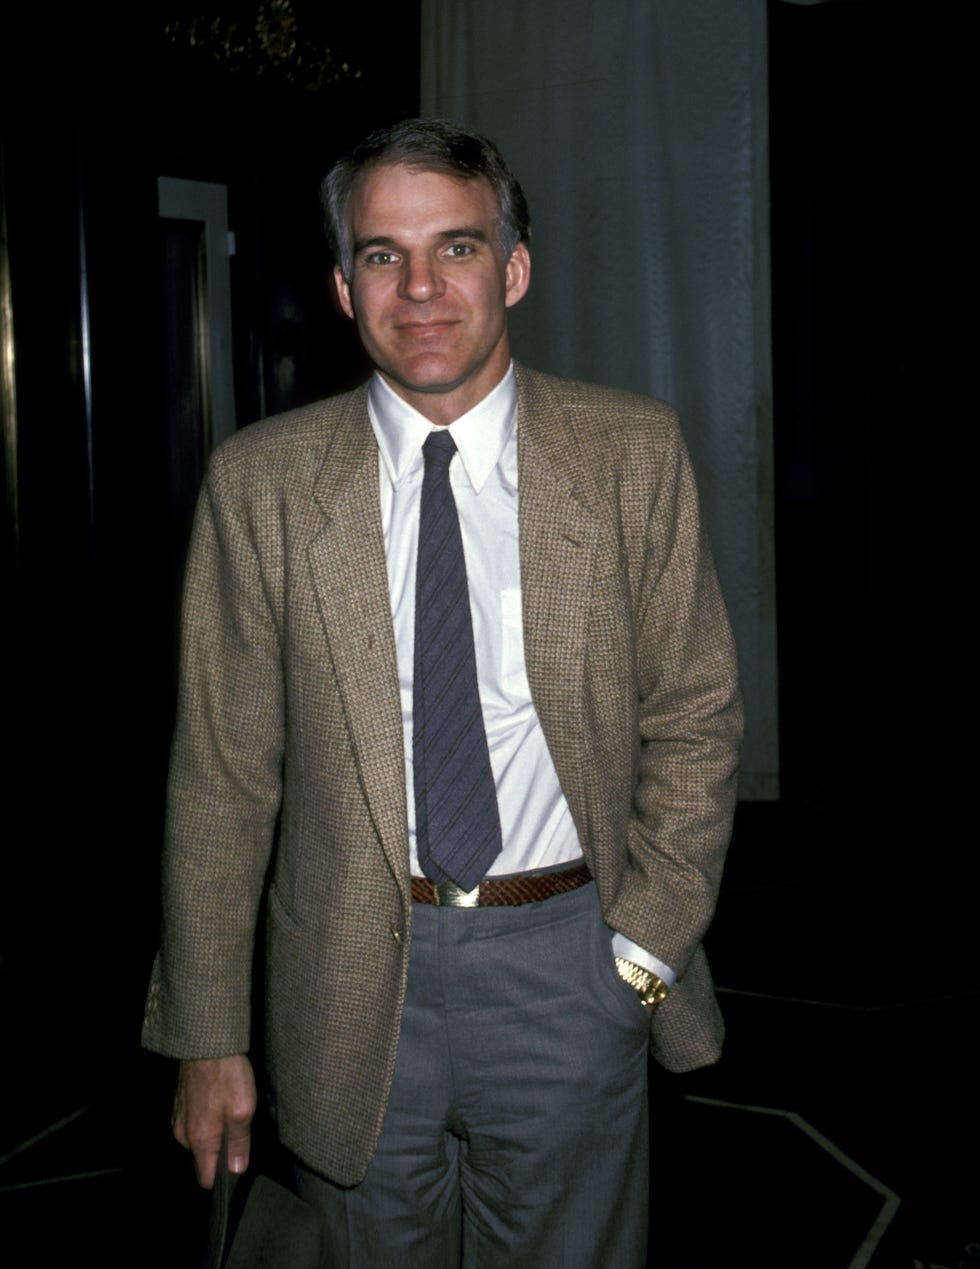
(474, 702)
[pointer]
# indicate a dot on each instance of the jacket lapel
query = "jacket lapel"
(559, 533)
(350, 579)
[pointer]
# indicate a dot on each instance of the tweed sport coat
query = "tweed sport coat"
(288, 766)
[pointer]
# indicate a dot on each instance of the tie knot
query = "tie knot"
(438, 449)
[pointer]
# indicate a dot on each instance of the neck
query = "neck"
(443, 406)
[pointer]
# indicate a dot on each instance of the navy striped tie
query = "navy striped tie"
(457, 821)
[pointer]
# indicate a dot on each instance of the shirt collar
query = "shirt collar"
(480, 434)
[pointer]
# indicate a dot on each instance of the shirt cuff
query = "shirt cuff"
(640, 956)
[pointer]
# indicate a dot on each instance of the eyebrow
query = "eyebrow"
(360, 244)
(445, 235)
(466, 231)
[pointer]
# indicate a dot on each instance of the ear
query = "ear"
(517, 275)
(343, 291)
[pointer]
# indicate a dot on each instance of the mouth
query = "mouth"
(420, 330)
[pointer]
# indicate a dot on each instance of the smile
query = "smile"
(422, 329)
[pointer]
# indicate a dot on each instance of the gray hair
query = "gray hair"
(429, 145)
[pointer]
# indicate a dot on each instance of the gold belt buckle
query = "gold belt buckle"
(449, 895)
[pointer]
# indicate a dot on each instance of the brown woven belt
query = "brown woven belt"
(503, 892)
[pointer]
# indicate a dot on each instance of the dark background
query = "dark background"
(855, 890)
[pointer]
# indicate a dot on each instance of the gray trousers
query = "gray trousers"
(516, 1130)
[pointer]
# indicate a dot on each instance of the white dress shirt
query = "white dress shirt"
(536, 825)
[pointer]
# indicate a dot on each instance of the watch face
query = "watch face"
(655, 992)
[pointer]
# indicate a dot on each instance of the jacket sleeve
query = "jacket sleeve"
(689, 714)
(225, 780)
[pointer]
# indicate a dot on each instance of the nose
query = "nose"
(420, 279)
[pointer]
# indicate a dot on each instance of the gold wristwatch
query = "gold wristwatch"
(649, 987)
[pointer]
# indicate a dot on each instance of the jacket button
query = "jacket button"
(396, 934)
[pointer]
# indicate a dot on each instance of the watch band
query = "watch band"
(650, 988)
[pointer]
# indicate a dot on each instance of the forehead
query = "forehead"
(396, 200)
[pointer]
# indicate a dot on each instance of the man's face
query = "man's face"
(429, 286)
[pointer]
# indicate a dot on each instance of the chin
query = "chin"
(431, 377)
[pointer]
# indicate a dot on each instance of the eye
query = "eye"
(380, 257)
(459, 250)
